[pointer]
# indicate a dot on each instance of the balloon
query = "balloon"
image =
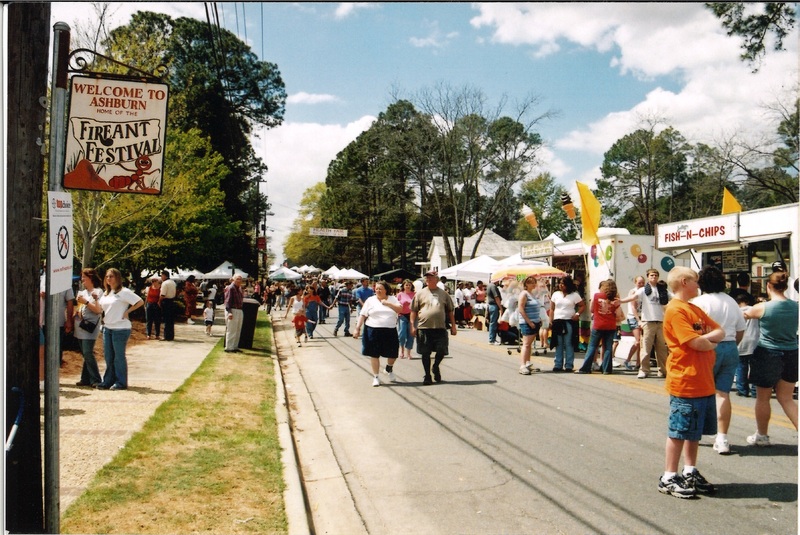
(593, 252)
(642, 258)
(635, 249)
(667, 263)
(609, 252)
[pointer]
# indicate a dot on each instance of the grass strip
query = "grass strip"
(208, 461)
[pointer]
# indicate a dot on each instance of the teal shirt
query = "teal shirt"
(779, 325)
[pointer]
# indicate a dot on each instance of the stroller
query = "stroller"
(509, 335)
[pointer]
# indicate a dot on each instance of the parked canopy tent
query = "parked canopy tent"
(285, 274)
(478, 268)
(331, 271)
(224, 271)
(394, 276)
(349, 274)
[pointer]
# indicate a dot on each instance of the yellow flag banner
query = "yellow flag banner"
(590, 215)
(729, 203)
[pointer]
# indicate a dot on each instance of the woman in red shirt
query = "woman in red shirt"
(604, 324)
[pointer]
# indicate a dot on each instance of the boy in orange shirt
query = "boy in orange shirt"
(691, 337)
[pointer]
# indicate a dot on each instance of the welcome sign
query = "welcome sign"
(116, 135)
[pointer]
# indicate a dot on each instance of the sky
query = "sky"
(603, 69)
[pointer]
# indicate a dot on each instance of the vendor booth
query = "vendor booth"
(747, 242)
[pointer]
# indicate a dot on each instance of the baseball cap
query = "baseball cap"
(778, 265)
(432, 274)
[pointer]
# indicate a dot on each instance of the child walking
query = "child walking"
(208, 316)
(299, 322)
(691, 336)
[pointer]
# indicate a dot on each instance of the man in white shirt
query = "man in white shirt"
(167, 303)
(653, 297)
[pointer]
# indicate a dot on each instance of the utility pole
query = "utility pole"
(27, 44)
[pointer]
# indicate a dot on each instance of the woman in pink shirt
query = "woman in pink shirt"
(403, 331)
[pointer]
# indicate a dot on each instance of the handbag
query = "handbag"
(88, 326)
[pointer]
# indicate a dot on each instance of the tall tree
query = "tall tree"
(477, 150)
(754, 23)
(28, 42)
(220, 87)
(640, 173)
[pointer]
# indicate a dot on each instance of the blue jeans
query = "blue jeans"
(607, 338)
(564, 344)
(114, 343)
(742, 382)
(493, 316)
(344, 317)
(312, 313)
(90, 373)
(404, 332)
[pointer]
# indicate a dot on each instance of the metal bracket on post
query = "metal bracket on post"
(78, 63)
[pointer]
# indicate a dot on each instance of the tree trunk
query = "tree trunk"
(28, 42)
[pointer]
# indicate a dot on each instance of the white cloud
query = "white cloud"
(298, 155)
(435, 38)
(719, 94)
(310, 98)
(345, 9)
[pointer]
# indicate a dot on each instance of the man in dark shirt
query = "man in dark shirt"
(493, 301)
(743, 288)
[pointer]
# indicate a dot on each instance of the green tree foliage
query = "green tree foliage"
(640, 175)
(754, 23)
(302, 248)
(543, 195)
(218, 86)
(184, 226)
(480, 155)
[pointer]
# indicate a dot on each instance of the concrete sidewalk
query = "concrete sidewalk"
(96, 424)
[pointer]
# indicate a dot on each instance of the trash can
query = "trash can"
(249, 313)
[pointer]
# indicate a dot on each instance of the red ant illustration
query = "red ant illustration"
(143, 163)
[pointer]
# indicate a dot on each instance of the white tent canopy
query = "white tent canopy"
(224, 271)
(285, 274)
(478, 268)
(348, 274)
(331, 271)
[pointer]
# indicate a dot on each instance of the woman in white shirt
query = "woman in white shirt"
(88, 313)
(117, 303)
(565, 310)
(379, 315)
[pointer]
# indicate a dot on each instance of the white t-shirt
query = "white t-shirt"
(565, 305)
(84, 312)
(378, 315)
(751, 334)
(114, 305)
(651, 308)
(168, 289)
(723, 309)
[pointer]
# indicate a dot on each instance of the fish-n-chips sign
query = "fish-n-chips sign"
(116, 134)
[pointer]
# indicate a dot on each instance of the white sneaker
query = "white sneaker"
(189, 321)
(758, 440)
(722, 446)
(642, 374)
(391, 376)
(376, 381)
(524, 370)
(595, 367)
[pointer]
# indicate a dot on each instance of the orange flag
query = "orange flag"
(590, 215)
(729, 203)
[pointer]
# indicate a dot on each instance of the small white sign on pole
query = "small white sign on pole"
(61, 240)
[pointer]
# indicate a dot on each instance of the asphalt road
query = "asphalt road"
(492, 451)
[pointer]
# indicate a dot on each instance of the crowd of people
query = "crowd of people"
(706, 341)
